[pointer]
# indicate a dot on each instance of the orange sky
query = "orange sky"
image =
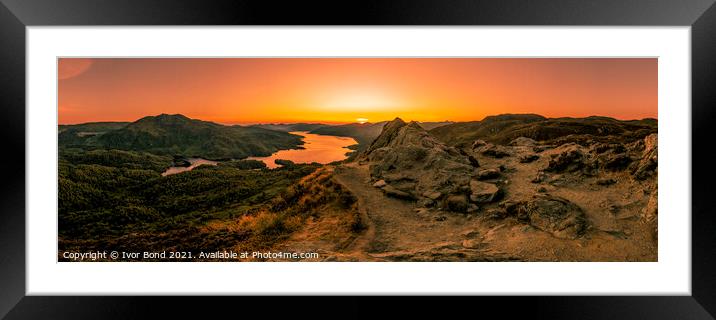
(272, 90)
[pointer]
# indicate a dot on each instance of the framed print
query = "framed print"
(412, 148)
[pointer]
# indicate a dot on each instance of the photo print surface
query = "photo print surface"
(357, 159)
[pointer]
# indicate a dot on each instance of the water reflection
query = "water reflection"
(195, 162)
(318, 148)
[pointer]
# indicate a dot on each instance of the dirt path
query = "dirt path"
(396, 232)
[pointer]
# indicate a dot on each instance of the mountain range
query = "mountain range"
(176, 134)
(179, 135)
(501, 129)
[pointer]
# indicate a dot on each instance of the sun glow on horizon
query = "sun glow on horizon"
(348, 90)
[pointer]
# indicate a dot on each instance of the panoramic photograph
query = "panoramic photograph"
(357, 159)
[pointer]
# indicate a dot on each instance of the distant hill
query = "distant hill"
(364, 133)
(433, 125)
(502, 129)
(289, 127)
(93, 126)
(179, 135)
(79, 134)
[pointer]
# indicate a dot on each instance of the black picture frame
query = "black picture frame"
(16, 15)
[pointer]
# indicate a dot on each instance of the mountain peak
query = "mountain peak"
(415, 125)
(389, 132)
(164, 117)
(527, 117)
(405, 161)
(172, 116)
(396, 120)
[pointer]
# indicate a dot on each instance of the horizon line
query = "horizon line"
(251, 123)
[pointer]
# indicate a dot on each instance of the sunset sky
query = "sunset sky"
(342, 90)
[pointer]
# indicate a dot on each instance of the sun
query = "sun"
(361, 120)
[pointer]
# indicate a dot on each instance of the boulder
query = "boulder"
(494, 151)
(380, 183)
(528, 158)
(473, 243)
(457, 203)
(486, 174)
(432, 195)
(496, 213)
(478, 143)
(395, 193)
(555, 215)
(483, 192)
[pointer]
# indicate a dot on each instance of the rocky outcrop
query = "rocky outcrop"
(555, 215)
(414, 165)
(390, 130)
(523, 142)
(528, 158)
(650, 212)
(647, 165)
(494, 151)
(569, 157)
(639, 158)
(614, 161)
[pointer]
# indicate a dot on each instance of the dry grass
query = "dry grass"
(308, 200)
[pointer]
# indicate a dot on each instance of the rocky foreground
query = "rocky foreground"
(567, 199)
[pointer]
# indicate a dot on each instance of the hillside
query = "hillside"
(85, 133)
(92, 126)
(502, 129)
(363, 133)
(179, 135)
(525, 200)
(433, 125)
(366, 132)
